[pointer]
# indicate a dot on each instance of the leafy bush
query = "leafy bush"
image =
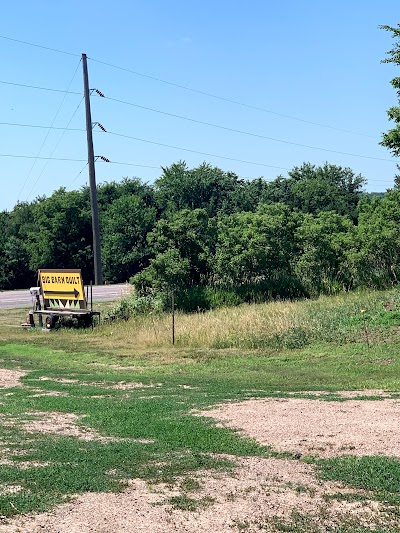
(202, 297)
(134, 305)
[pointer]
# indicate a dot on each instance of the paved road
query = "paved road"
(101, 293)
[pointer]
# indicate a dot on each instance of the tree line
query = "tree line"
(216, 239)
(213, 237)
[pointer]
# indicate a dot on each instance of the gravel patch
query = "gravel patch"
(64, 424)
(317, 427)
(259, 492)
(11, 378)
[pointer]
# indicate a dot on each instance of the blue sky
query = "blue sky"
(315, 61)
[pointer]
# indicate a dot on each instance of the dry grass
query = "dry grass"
(246, 326)
(207, 330)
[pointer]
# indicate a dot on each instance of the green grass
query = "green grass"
(378, 474)
(321, 345)
(301, 523)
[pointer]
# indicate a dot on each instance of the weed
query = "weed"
(185, 503)
(190, 485)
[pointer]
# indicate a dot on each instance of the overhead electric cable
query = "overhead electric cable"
(39, 126)
(204, 153)
(68, 159)
(76, 177)
(48, 132)
(226, 128)
(22, 156)
(40, 88)
(231, 101)
(191, 89)
(39, 46)
(55, 148)
(249, 162)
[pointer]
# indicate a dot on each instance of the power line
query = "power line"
(48, 132)
(229, 100)
(55, 148)
(19, 125)
(37, 87)
(68, 159)
(39, 46)
(213, 155)
(196, 91)
(156, 143)
(218, 126)
(242, 132)
(76, 177)
(241, 161)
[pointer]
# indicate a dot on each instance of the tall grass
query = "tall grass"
(280, 324)
(274, 325)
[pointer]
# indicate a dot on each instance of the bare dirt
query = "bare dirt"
(259, 492)
(65, 424)
(11, 378)
(318, 427)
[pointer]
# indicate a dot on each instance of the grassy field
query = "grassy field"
(348, 342)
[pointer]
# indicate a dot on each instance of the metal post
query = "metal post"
(173, 317)
(98, 274)
(91, 303)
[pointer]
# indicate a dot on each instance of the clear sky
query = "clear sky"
(314, 61)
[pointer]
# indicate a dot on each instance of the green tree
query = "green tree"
(311, 189)
(15, 271)
(321, 262)
(205, 187)
(191, 234)
(254, 247)
(125, 225)
(167, 271)
(375, 255)
(61, 233)
(107, 193)
(391, 139)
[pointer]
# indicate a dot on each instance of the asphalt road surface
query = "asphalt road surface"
(101, 293)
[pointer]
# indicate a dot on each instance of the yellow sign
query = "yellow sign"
(63, 285)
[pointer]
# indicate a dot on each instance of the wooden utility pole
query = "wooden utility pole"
(98, 272)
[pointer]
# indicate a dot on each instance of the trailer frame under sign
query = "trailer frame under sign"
(62, 289)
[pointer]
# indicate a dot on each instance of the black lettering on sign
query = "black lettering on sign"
(53, 279)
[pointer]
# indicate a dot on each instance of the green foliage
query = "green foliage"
(62, 234)
(167, 271)
(312, 189)
(370, 473)
(204, 187)
(135, 305)
(326, 188)
(391, 139)
(320, 264)
(374, 255)
(256, 246)
(215, 239)
(204, 297)
(126, 223)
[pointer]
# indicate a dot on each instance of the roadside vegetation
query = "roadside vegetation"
(281, 288)
(125, 383)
